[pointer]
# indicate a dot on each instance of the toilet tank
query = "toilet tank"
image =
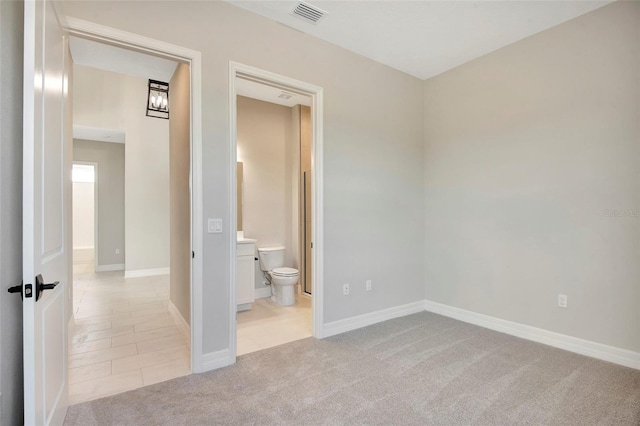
(271, 257)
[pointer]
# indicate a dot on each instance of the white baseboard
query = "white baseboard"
(184, 328)
(215, 360)
(263, 292)
(353, 323)
(137, 273)
(107, 268)
(557, 340)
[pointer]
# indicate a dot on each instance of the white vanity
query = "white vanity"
(245, 272)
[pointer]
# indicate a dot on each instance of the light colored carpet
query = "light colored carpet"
(423, 369)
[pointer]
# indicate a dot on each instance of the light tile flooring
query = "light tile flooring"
(268, 324)
(124, 336)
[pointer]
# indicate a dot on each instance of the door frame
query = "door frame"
(95, 211)
(113, 36)
(316, 94)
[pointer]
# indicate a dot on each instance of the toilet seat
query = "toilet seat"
(284, 272)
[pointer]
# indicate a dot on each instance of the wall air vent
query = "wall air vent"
(308, 12)
(285, 95)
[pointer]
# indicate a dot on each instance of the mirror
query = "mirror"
(239, 189)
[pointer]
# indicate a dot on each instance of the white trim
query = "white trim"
(261, 293)
(317, 110)
(181, 323)
(136, 273)
(215, 360)
(557, 340)
(125, 39)
(364, 320)
(108, 268)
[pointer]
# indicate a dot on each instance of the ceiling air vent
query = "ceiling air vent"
(308, 12)
(284, 95)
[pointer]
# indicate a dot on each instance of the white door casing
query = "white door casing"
(46, 213)
(316, 93)
(113, 36)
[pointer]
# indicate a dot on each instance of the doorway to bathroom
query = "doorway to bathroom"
(276, 123)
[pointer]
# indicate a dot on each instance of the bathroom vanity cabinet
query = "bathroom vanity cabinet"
(245, 273)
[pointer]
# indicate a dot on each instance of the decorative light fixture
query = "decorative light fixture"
(158, 99)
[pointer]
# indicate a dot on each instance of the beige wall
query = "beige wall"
(526, 149)
(180, 199)
(267, 153)
(11, 42)
(115, 101)
(263, 132)
(111, 197)
(291, 189)
(373, 145)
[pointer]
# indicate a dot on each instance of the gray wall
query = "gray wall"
(373, 147)
(110, 159)
(11, 384)
(527, 150)
(179, 192)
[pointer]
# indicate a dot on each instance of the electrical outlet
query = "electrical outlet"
(368, 285)
(214, 226)
(117, 251)
(345, 289)
(562, 300)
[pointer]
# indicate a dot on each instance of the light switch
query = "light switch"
(214, 226)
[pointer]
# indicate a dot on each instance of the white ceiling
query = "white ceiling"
(123, 61)
(425, 38)
(98, 134)
(252, 89)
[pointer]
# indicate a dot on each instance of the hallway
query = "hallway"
(124, 336)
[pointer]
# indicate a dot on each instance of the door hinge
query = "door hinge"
(193, 254)
(311, 244)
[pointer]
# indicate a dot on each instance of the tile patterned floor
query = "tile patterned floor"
(124, 336)
(269, 324)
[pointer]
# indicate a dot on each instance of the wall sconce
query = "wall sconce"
(158, 99)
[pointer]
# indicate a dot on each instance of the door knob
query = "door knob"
(18, 289)
(41, 286)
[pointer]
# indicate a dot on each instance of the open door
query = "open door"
(46, 215)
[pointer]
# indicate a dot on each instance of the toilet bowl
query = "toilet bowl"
(283, 284)
(283, 280)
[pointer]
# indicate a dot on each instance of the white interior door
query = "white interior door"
(46, 214)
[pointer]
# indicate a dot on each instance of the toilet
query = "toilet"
(283, 279)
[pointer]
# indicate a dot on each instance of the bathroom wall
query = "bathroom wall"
(532, 183)
(266, 148)
(110, 100)
(292, 188)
